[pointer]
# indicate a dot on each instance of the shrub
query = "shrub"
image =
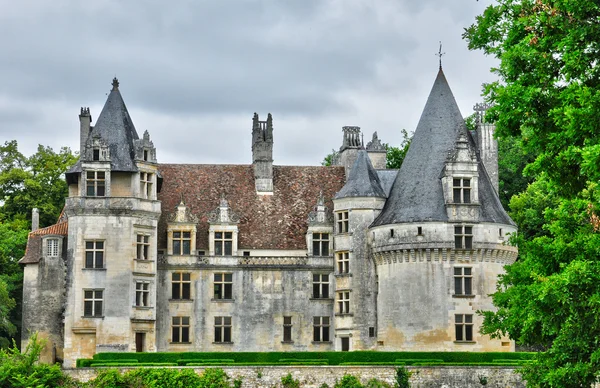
(402, 377)
(348, 381)
(374, 383)
(289, 382)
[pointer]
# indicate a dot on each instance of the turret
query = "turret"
(262, 154)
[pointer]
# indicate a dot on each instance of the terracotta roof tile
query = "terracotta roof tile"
(277, 221)
(59, 228)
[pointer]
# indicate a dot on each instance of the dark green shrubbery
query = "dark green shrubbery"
(161, 378)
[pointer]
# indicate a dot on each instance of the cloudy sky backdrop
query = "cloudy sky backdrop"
(193, 72)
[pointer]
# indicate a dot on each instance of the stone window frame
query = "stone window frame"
(463, 281)
(180, 329)
(182, 284)
(181, 237)
(91, 262)
(321, 244)
(222, 286)
(321, 285)
(52, 246)
(221, 240)
(343, 301)
(321, 329)
(94, 183)
(142, 246)
(463, 236)
(146, 185)
(288, 324)
(93, 303)
(342, 260)
(461, 190)
(463, 328)
(142, 293)
(223, 330)
(342, 221)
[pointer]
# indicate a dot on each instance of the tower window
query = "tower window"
(95, 183)
(146, 185)
(92, 303)
(96, 154)
(287, 329)
(141, 294)
(463, 324)
(344, 302)
(343, 262)
(342, 222)
(419, 230)
(463, 237)
(94, 254)
(461, 189)
(143, 247)
(320, 244)
(391, 232)
(463, 281)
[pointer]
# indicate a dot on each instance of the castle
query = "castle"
(193, 257)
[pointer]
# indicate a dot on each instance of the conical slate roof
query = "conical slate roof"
(417, 194)
(363, 180)
(115, 127)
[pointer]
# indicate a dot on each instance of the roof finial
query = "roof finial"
(115, 84)
(439, 54)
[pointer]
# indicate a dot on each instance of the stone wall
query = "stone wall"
(315, 376)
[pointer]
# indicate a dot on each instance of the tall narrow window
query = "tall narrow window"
(463, 324)
(181, 284)
(96, 154)
(343, 302)
(223, 286)
(92, 303)
(320, 286)
(287, 329)
(142, 292)
(342, 222)
(180, 330)
(146, 155)
(463, 237)
(94, 254)
(95, 183)
(320, 244)
(223, 243)
(146, 185)
(143, 247)
(343, 262)
(461, 189)
(182, 243)
(52, 247)
(222, 329)
(463, 281)
(321, 329)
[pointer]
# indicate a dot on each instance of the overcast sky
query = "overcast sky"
(193, 72)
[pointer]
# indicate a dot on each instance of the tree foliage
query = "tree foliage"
(548, 99)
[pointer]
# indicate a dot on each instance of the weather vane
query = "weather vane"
(439, 54)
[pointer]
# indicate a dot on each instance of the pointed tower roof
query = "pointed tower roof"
(417, 194)
(115, 126)
(363, 180)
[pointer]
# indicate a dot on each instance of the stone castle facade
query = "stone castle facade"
(193, 257)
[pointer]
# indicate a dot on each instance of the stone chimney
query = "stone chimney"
(262, 154)
(85, 119)
(35, 219)
(351, 143)
(377, 152)
(487, 145)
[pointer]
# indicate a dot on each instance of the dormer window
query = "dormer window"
(146, 155)
(223, 243)
(96, 154)
(461, 189)
(95, 183)
(320, 244)
(182, 243)
(52, 247)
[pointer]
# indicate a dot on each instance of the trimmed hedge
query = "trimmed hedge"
(206, 360)
(116, 364)
(372, 363)
(330, 358)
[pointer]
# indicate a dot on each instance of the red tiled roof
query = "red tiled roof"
(58, 228)
(33, 251)
(277, 221)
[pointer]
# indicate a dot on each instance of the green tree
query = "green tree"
(7, 328)
(548, 97)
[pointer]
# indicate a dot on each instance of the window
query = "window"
(321, 329)
(343, 262)
(180, 283)
(143, 247)
(463, 281)
(146, 155)
(344, 302)
(461, 190)
(320, 244)
(342, 222)
(391, 233)
(463, 237)
(371, 331)
(223, 243)
(320, 286)
(52, 247)
(94, 254)
(180, 330)
(419, 230)
(182, 243)
(287, 329)
(223, 286)
(463, 324)
(92, 303)
(146, 185)
(95, 183)
(222, 329)
(96, 154)
(141, 294)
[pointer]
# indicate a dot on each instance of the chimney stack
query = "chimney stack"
(35, 219)
(85, 119)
